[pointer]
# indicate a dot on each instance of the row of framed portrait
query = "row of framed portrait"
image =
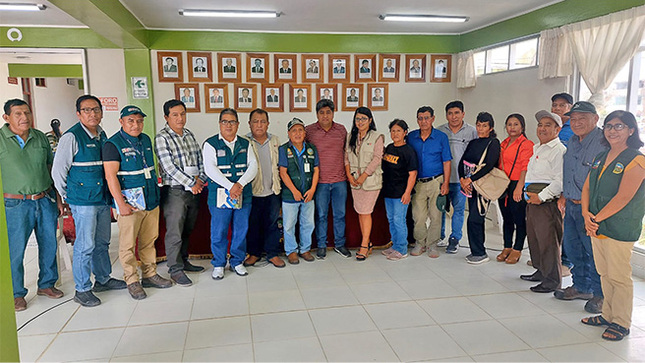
(366, 67)
(271, 97)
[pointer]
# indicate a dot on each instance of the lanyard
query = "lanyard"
(135, 148)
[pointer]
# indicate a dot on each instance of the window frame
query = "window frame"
(508, 43)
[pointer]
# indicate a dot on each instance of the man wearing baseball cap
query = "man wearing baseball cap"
(560, 105)
(583, 147)
(130, 173)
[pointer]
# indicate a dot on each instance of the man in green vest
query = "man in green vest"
(30, 202)
(130, 172)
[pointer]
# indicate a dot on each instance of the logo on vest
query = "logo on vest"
(619, 168)
(289, 153)
(310, 151)
(596, 165)
(90, 145)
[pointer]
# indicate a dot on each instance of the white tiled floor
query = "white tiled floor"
(418, 309)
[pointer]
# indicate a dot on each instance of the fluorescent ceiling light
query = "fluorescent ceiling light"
(22, 7)
(229, 13)
(424, 18)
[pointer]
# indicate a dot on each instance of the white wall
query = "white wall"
(56, 100)
(106, 72)
(8, 91)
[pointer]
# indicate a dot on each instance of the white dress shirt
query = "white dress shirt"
(546, 166)
(213, 172)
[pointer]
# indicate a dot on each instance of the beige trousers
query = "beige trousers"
(424, 206)
(143, 225)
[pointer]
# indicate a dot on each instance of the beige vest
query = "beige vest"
(274, 144)
(358, 163)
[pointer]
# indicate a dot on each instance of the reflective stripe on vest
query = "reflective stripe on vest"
(136, 172)
(87, 163)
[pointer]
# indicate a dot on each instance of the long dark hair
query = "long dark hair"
(354, 133)
(487, 117)
(633, 141)
(520, 118)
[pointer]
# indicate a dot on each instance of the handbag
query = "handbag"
(492, 185)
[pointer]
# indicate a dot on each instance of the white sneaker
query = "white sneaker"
(442, 243)
(218, 273)
(240, 270)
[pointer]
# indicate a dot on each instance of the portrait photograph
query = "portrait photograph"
(257, 67)
(228, 67)
(339, 66)
(365, 68)
(313, 68)
(272, 97)
(377, 96)
(300, 97)
(415, 68)
(441, 64)
(169, 67)
(200, 67)
(285, 67)
(352, 97)
(389, 69)
(326, 92)
(245, 96)
(216, 97)
(188, 93)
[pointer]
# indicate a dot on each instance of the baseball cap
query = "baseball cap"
(582, 106)
(565, 96)
(295, 121)
(442, 200)
(544, 113)
(131, 110)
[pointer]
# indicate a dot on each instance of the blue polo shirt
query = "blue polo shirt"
(431, 153)
(565, 133)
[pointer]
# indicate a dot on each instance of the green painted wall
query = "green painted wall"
(55, 38)
(137, 64)
(8, 335)
(46, 70)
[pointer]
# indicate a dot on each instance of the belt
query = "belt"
(425, 180)
(574, 201)
(28, 196)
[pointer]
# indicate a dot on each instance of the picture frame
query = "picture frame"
(269, 91)
(415, 67)
(298, 91)
(257, 67)
(377, 96)
(201, 67)
(327, 91)
(389, 67)
(365, 67)
(352, 100)
(240, 96)
(215, 97)
(229, 67)
(170, 67)
(188, 93)
(338, 68)
(441, 65)
(313, 67)
(286, 68)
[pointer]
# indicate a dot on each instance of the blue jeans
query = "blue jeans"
(337, 192)
(23, 217)
(396, 212)
(578, 247)
(298, 212)
(220, 221)
(92, 224)
(458, 202)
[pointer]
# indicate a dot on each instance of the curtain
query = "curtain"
(602, 46)
(554, 54)
(466, 70)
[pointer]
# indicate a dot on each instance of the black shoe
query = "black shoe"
(87, 299)
(343, 251)
(453, 245)
(532, 277)
(180, 278)
(594, 305)
(541, 288)
(189, 267)
(111, 284)
(321, 253)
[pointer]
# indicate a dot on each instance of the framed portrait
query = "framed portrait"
(216, 97)
(300, 97)
(201, 69)
(339, 66)
(377, 95)
(273, 97)
(389, 69)
(229, 67)
(313, 67)
(415, 67)
(188, 93)
(327, 91)
(245, 96)
(441, 67)
(170, 67)
(257, 67)
(286, 69)
(365, 67)
(352, 96)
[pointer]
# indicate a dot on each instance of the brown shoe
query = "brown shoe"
(156, 281)
(50, 292)
(277, 262)
(571, 293)
(293, 258)
(513, 257)
(502, 256)
(136, 291)
(19, 303)
(251, 260)
(307, 256)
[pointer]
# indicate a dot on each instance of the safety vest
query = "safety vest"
(358, 163)
(232, 165)
(294, 171)
(137, 167)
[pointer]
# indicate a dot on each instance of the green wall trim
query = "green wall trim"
(138, 64)
(46, 70)
(56, 38)
(566, 12)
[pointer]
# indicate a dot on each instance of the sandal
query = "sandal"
(615, 332)
(597, 320)
(363, 256)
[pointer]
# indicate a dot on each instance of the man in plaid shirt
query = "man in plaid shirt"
(182, 175)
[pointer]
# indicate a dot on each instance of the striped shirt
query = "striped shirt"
(175, 153)
(331, 151)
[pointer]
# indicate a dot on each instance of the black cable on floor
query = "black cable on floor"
(37, 316)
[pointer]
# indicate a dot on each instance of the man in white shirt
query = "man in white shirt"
(543, 217)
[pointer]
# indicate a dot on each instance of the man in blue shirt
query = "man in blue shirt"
(560, 105)
(433, 152)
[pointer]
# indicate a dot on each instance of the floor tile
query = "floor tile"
(155, 357)
(518, 356)
(484, 337)
(550, 304)
(84, 345)
(590, 352)
(283, 282)
(328, 296)
(275, 301)
(357, 347)
(106, 315)
(506, 305)
(228, 353)
(341, 320)
(292, 350)
(404, 314)
(543, 331)
(453, 310)
(422, 343)
(161, 311)
(220, 306)
(630, 349)
(32, 346)
(379, 292)
(428, 289)
(215, 332)
(152, 339)
(282, 326)
(207, 287)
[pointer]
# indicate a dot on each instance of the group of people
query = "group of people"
(251, 179)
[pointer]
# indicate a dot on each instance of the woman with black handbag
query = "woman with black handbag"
(472, 168)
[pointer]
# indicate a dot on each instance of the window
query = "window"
(513, 55)
(524, 54)
(497, 59)
(40, 82)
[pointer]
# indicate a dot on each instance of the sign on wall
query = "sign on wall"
(109, 103)
(139, 87)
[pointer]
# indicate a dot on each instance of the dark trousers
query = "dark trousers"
(544, 231)
(475, 227)
(514, 218)
(263, 234)
(180, 209)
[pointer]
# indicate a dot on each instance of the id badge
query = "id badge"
(191, 170)
(146, 173)
(307, 168)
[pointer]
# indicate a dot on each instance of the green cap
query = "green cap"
(131, 110)
(442, 200)
(582, 106)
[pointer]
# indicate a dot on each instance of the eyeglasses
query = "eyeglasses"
(229, 122)
(362, 119)
(88, 110)
(616, 127)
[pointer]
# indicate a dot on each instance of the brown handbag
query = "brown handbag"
(492, 185)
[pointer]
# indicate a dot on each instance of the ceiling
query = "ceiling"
(302, 16)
